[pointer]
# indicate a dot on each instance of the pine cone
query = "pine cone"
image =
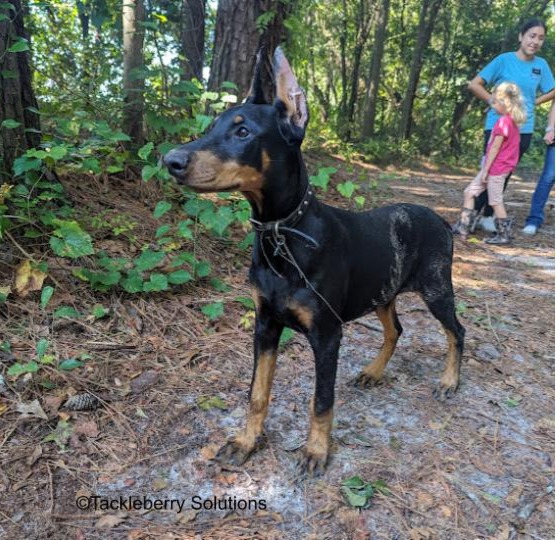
(82, 402)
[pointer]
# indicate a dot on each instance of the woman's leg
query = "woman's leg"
(542, 191)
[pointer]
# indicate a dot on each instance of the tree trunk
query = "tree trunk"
(363, 28)
(133, 14)
(460, 110)
(193, 39)
(19, 119)
(375, 69)
(237, 40)
(427, 18)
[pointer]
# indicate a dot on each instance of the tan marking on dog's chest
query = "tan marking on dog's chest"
(302, 313)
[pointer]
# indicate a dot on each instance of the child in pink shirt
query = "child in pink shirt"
(502, 155)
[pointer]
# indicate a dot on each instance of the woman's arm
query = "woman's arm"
(549, 135)
(545, 97)
(477, 88)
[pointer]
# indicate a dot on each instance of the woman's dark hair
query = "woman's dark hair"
(531, 23)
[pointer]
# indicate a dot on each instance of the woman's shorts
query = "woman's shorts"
(494, 186)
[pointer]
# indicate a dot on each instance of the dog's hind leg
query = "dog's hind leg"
(443, 309)
(325, 344)
(373, 373)
(239, 448)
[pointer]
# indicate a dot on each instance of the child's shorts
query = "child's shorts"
(494, 186)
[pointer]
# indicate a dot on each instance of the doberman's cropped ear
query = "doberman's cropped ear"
(256, 93)
(290, 100)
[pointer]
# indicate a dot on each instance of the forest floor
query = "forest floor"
(173, 387)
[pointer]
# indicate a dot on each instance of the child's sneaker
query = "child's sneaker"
(529, 229)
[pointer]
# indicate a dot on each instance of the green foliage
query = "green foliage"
(287, 335)
(322, 178)
(213, 311)
(358, 493)
(206, 403)
(43, 358)
(70, 240)
(46, 295)
(217, 217)
(459, 48)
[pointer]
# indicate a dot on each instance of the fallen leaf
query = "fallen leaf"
(228, 479)
(159, 484)
(37, 453)
(88, 428)
(83, 492)
(32, 409)
(5, 291)
(504, 533)
(146, 379)
(108, 522)
(53, 403)
(421, 533)
(28, 279)
(188, 516)
(513, 498)
(446, 511)
(209, 452)
(424, 500)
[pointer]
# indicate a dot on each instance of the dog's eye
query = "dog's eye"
(242, 132)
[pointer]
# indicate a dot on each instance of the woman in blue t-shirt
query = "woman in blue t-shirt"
(532, 74)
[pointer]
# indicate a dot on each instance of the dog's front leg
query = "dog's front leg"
(325, 343)
(267, 335)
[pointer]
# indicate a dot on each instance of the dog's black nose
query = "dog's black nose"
(177, 161)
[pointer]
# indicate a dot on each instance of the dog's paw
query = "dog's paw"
(311, 465)
(233, 453)
(443, 393)
(364, 380)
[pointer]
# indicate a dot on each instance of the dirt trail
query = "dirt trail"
(479, 466)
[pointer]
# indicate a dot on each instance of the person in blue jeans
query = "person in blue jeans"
(533, 76)
(545, 182)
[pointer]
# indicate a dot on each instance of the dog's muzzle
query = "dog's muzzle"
(177, 161)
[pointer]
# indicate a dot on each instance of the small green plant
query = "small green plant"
(348, 189)
(358, 493)
(322, 178)
(287, 335)
(213, 311)
(44, 358)
(206, 403)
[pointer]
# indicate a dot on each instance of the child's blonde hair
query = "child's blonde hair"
(510, 96)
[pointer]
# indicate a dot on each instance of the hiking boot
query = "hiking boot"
(463, 225)
(503, 234)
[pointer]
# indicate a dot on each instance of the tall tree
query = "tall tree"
(369, 116)
(133, 17)
(241, 29)
(363, 20)
(427, 19)
(19, 119)
(193, 38)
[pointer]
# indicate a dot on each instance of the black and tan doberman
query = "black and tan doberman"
(315, 267)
